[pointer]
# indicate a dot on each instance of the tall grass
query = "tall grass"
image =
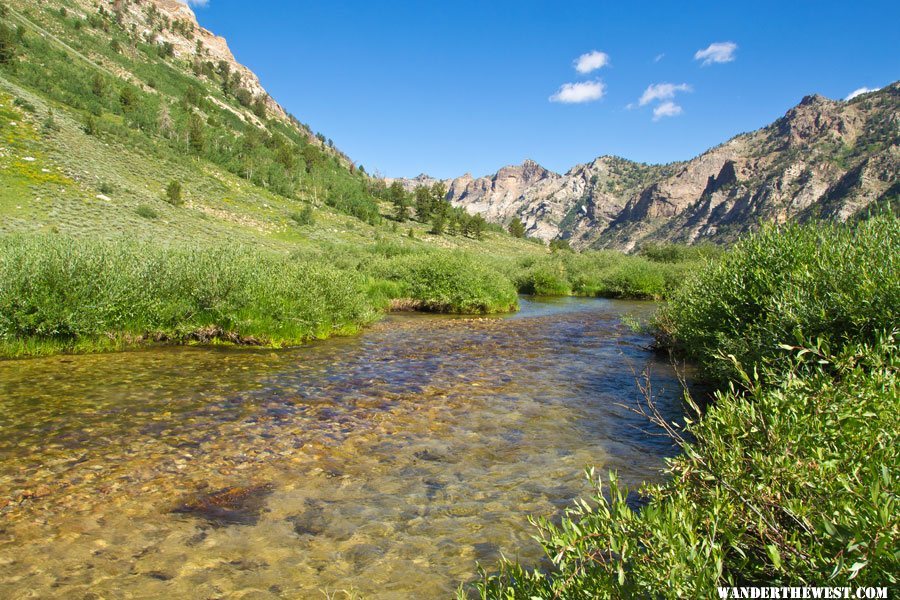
(790, 478)
(58, 292)
(448, 282)
(606, 274)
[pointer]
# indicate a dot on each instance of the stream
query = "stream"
(388, 465)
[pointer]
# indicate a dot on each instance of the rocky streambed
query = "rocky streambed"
(388, 464)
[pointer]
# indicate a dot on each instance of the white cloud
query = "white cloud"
(662, 91)
(576, 93)
(659, 57)
(195, 2)
(666, 109)
(718, 52)
(591, 61)
(860, 92)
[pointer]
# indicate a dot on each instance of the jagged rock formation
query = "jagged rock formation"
(824, 159)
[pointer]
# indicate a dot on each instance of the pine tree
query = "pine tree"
(173, 193)
(477, 226)
(437, 223)
(196, 137)
(397, 195)
(517, 228)
(423, 204)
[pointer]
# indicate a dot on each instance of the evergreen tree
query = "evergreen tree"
(517, 228)
(7, 44)
(477, 225)
(173, 193)
(453, 223)
(437, 223)
(397, 196)
(423, 204)
(196, 137)
(438, 193)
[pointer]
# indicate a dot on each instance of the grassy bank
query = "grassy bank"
(790, 478)
(607, 273)
(59, 293)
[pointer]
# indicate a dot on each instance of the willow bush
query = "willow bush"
(59, 292)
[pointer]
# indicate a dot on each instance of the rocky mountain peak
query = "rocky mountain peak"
(813, 100)
(823, 157)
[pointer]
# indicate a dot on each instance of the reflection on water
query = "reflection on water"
(389, 463)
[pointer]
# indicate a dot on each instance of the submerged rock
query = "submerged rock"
(238, 505)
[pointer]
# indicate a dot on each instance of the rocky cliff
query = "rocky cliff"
(824, 159)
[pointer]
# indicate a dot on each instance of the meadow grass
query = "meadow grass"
(790, 476)
(602, 273)
(63, 293)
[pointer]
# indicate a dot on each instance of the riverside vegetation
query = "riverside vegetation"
(790, 477)
(64, 293)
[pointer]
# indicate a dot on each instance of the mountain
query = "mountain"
(824, 159)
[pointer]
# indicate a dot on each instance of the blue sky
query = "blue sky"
(469, 86)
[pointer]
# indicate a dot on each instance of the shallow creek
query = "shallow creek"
(389, 464)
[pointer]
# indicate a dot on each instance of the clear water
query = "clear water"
(388, 464)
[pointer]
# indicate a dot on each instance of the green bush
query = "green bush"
(59, 292)
(793, 484)
(544, 280)
(449, 282)
(304, 216)
(604, 273)
(674, 253)
(8, 44)
(146, 211)
(174, 194)
(786, 285)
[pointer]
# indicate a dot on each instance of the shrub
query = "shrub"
(544, 280)
(174, 194)
(25, 105)
(556, 245)
(8, 44)
(91, 126)
(146, 211)
(673, 253)
(60, 292)
(304, 216)
(790, 477)
(449, 282)
(785, 285)
(785, 485)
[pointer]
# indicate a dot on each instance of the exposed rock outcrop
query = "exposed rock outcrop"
(824, 159)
